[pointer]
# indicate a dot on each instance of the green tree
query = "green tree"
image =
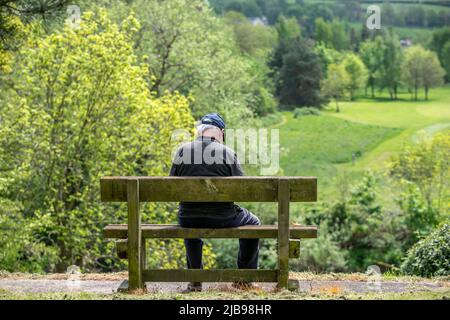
(297, 73)
(413, 68)
(336, 83)
(81, 109)
(323, 32)
(357, 73)
(390, 71)
(371, 53)
(332, 34)
(254, 40)
(445, 59)
(287, 28)
(425, 165)
(432, 74)
(190, 50)
(339, 37)
(438, 42)
(422, 69)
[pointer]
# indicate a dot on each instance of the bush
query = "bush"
(430, 256)
(307, 111)
(321, 255)
(20, 248)
(265, 103)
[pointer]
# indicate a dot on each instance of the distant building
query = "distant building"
(258, 21)
(406, 42)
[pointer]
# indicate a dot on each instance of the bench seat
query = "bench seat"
(172, 231)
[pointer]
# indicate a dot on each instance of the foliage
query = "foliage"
(297, 73)
(12, 29)
(372, 55)
(359, 231)
(191, 51)
(431, 256)
(357, 74)
(80, 109)
(306, 111)
(321, 255)
(254, 40)
(331, 34)
(439, 43)
(445, 61)
(287, 28)
(426, 165)
(390, 70)
(336, 83)
(422, 69)
(20, 249)
(421, 171)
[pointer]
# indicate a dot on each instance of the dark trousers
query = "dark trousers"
(248, 248)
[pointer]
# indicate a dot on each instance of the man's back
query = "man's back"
(206, 157)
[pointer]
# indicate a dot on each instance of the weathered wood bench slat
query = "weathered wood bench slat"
(217, 275)
(119, 231)
(208, 189)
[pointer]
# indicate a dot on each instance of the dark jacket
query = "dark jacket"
(206, 157)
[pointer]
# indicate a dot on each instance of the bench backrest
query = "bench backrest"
(209, 189)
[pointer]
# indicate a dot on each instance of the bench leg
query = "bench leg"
(283, 233)
(134, 237)
(143, 254)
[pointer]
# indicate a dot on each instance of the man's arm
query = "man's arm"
(174, 170)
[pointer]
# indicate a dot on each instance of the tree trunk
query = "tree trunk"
(337, 106)
(426, 93)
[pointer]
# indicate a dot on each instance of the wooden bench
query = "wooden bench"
(134, 190)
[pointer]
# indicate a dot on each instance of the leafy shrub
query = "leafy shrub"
(358, 226)
(321, 255)
(430, 256)
(265, 103)
(19, 249)
(307, 111)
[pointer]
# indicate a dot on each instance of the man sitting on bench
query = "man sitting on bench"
(208, 156)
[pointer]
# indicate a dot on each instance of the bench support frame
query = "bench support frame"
(283, 232)
(113, 190)
(135, 256)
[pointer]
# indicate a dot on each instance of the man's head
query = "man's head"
(212, 125)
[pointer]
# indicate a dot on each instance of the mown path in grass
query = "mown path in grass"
(364, 135)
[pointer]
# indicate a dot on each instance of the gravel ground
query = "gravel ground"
(111, 286)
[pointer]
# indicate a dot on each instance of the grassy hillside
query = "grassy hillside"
(373, 130)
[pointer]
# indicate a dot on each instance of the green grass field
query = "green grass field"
(372, 129)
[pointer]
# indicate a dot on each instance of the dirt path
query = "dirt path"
(111, 286)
